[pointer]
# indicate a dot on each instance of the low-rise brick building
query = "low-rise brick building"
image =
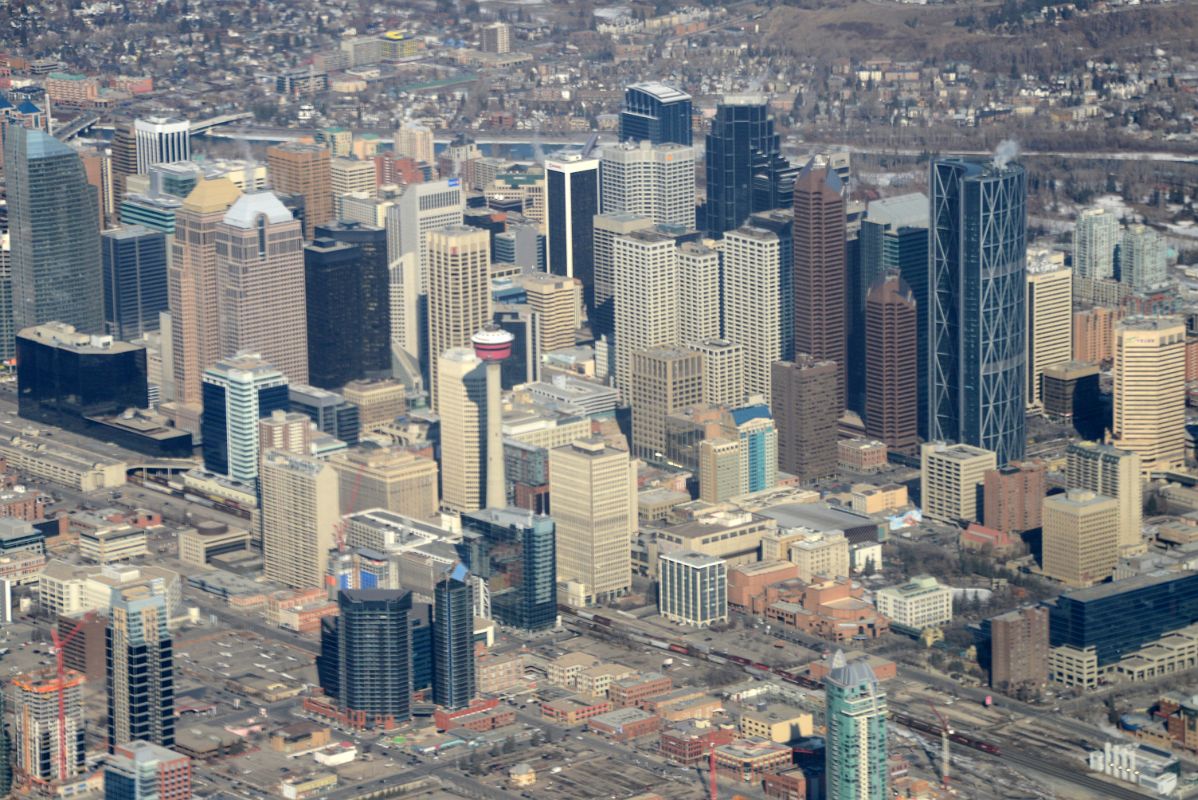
(624, 724)
(575, 710)
(689, 743)
(630, 692)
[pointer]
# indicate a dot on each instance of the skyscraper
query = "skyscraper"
(1049, 321)
(664, 380)
(698, 293)
(654, 181)
(48, 754)
(977, 317)
(5, 754)
(260, 282)
(572, 201)
(646, 300)
(855, 754)
(55, 235)
(1149, 392)
(141, 671)
(237, 392)
(135, 289)
(1095, 237)
(746, 171)
(300, 507)
(414, 141)
(337, 344)
(592, 488)
(493, 345)
(723, 371)
(657, 113)
(1142, 259)
(606, 228)
(371, 297)
(459, 292)
(754, 429)
(193, 297)
(454, 683)
(124, 159)
(304, 169)
(819, 270)
(520, 566)
(462, 404)
(1107, 470)
(1081, 537)
(781, 222)
(366, 657)
(891, 403)
(161, 140)
(558, 304)
(752, 304)
(805, 410)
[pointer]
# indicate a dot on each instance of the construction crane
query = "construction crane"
(59, 645)
(946, 731)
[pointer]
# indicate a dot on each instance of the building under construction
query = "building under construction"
(48, 728)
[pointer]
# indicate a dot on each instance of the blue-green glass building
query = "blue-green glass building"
(855, 755)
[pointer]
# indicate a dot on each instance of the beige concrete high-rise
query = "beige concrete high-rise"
(349, 176)
(459, 292)
(720, 470)
(646, 301)
(415, 141)
(752, 310)
(260, 282)
(192, 286)
(723, 371)
(1081, 537)
(607, 228)
(949, 477)
(289, 431)
(1149, 371)
(390, 478)
(664, 380)
(592, 488)
(1107, 470)
(462, 398)
(379, 402)
(1049, 319)
(558, 300)
(306, 169)
(698, 292)
(299, 518)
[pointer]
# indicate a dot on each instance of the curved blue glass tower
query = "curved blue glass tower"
(976, 324)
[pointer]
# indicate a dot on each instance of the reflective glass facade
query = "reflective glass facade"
(453, 641)
(856, 753)
(516, 555)
(369, 334)
(656, 113)
(61, 385)
(745, 168)
(134, 281)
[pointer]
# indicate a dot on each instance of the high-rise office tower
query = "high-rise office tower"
(237, 392)
(524, 324)
(370, 297)
(49, 754)
(1013, 496)
(606, 228)
(656, 113)
(123, 156)
(260, 283)
(1095, 237)
(304, 169)
(1049, 321)
(855, 756)
(192, 286)
(646, 300)
(1019, 648)
(331, 413)
(592, 488)
(723, 371)
(949, 478)
(492, 346)
(720, 470)
(572, 201)
(53, 223)
(333, 291)
(1109, 471)
(161, 140)
(893, 238)
(366, 657)
(977, 319)
(6, 781)
(664, 380)
(454, 682)
(819, 269)
(351, 176)
(746, 171)
(1081, 537)
(752, 316)
(462, 404)
(423, 207)
(300, 507)
(496, 38)
(519, 565)
(145, 771)
(698, 293)
(891, 403)
(289, 431)
(780, 222)
(692, 588)
(415, 141)
(459, 291)
(654, 181)
(393, 479)
(135, 290)
(558, 303)
(1149, 393)
(1142, 259)
(805, 411)
(7, 334)
(141, 667)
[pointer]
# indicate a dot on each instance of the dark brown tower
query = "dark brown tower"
(124, 160)
(803, 402)
(819, 270)
(891, 391)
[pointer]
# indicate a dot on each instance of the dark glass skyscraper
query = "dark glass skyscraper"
(374, 287)
(140, 669)
(366, 657)
(977, 320)
(572, 201)
(453, 640)
(54, 225)
(745, 168)
(657, 113)
(518, 559)
(134, 280)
